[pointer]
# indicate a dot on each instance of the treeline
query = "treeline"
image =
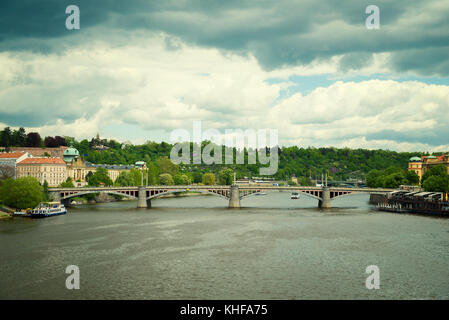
(436, 179)
(306, 164)
(391, 177)
(162, 172)
(19, 138)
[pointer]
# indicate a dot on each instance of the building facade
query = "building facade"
(421, 164)
(52, 170)
(79, 170)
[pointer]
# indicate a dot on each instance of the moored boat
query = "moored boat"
(43, 210)
(48, 209)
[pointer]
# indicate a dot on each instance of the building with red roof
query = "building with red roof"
(52, 170)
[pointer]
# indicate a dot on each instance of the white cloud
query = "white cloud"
(147, 85)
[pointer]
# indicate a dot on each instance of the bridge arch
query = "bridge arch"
(81, 193)
(348, 194)
(159, 195)
(271, 191)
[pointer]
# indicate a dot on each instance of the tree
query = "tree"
(124, 179)
(153, 174)
(45, 190)
(181, 179)
(50, 142)
(68, 183)
(394, 180)
(209, 179)
(412, 178)
(22, 193)
(100, 176)
(436, 184)
(167, 166)
(197, 177)
(33, 140)
(436, 179)
(225, 177)
(439, 170)
(6, 137)
(372, 178)
(166, 179)
(60, 141)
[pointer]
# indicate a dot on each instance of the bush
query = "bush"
(208, 179)
(166, 179)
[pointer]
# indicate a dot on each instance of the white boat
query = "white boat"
(48, 209)
(295, 195)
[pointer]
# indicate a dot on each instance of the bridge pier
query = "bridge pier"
(142, 198)
(325, 202)
(234, 200)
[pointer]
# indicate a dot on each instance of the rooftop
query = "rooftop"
(11, 155)
(42, 161)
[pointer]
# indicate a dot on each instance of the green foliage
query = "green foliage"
(436, 179)
(436, 184)
(100, 176)
(225, 176)
(45, 190)
(342, 164)
(303, 181)
(439, 170)
(292, 183)
(124, 180)
(22, 193)
(197, 177)
(181, 179)
(166, 179)
(412, 178)
(153, 174)
(391, 177)
(67, 184)
(165, 165)
(394, 180)
(209, 179)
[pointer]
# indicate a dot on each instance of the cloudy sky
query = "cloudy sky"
(136, 70)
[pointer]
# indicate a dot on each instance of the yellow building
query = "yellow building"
(53, 170)
(421, 165)
(78, 169)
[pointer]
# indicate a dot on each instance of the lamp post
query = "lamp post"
(141, 165)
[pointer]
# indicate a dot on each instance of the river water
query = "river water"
(196, 248)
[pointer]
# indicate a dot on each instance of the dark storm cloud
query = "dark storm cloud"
(277, 33)
(433, 137)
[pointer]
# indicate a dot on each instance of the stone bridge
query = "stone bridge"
(233, 193)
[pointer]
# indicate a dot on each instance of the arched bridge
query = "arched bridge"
(234, 193)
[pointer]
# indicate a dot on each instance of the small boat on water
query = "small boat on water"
(261, 194)
(295, 195)
(43, 210)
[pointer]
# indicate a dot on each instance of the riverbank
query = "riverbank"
(4, 215)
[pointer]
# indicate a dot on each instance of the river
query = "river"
(196, 248)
